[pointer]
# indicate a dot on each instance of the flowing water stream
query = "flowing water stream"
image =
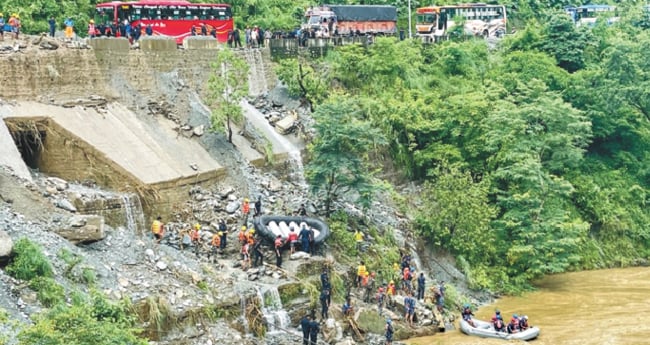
(133, 213)
(593, 307)
(277, 319)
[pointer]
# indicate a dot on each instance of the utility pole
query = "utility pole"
(410, 34)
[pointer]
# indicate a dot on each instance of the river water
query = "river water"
(606, 307)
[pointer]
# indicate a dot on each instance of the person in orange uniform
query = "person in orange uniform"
(391, 291)
(246, 210)
(242, 236)
(195, 236)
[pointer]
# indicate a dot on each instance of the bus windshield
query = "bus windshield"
(426, 18)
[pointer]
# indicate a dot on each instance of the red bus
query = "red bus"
(168, 18)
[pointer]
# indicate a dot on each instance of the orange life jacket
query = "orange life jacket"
(246, 207)
(391, 289)
(278, 242)
(251, 239)
(242, 236)
(364, 280)
(194, 235)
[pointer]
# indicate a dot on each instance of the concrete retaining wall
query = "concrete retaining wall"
(110, 44)
(151, 44)
(200, 42)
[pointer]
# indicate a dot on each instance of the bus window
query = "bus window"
(442, 22)
(221, 13)
(105, 15)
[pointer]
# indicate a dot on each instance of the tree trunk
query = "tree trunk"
(229, 131)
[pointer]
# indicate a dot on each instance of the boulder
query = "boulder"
(65, 204)
(285, 125)
(299, 256)
(161, 265)
(83, 229)
(6, 245)
(199, 131)
(232, 207)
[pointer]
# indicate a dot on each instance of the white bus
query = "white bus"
(434, 22)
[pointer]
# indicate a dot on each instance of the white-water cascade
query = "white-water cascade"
(257, 84)
(133, 213)
(276, 318)
(280, 142)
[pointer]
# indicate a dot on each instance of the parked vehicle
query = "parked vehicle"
(349, 20)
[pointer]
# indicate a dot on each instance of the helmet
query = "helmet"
(197, 226)
(245, 199)
(219, 233)
(498, 311)
(514, 316)
(388, 320)
(92, 21)
(1, 14)
(243, 227)
(251, 231)
(392, 282)
(525, 317)
(466, 305)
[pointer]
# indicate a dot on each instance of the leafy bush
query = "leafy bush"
(76, 324)
(88, 275)
(29, 261)
(49, 292)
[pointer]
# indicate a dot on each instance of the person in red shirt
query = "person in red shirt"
(246, 209)
(293, 240)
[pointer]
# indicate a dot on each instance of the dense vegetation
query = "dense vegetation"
(533, 154)
(88, 319)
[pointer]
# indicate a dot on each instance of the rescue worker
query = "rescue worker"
(406, 280)
(241, 236)
(91, 29)
(257, 252)
(523, 323)
(250, 237)
(293, 240)
(348, 309)
(361, 272)
(304, 238)
(467, 315)
(304, 324)
(69, 29)
(497, 323)
(358, 238)
(2, 27)
(421, 286)
(381, 298)
(158, 229)
(409, 305)
(245, 255)
(370, 287)
(185, 240)
(258, 207)
(278, 253)
(215, 244)
(302, 211)
(324, 303)
(195, 236)
(391, 291)
(246, 209)
(223, 230)
(314, 328)
(513, 325)
(389, 331)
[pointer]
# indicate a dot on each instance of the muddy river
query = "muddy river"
(607, 307)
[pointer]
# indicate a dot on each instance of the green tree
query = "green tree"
(302, 80)
(455, 213)
(227, 87)
(536, 138)
(338, 161)
(567, 44)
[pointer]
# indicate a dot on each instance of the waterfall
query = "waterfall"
(276, 318)
(257, 83)
(133, 214)
(295, 161)
(243, 314)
